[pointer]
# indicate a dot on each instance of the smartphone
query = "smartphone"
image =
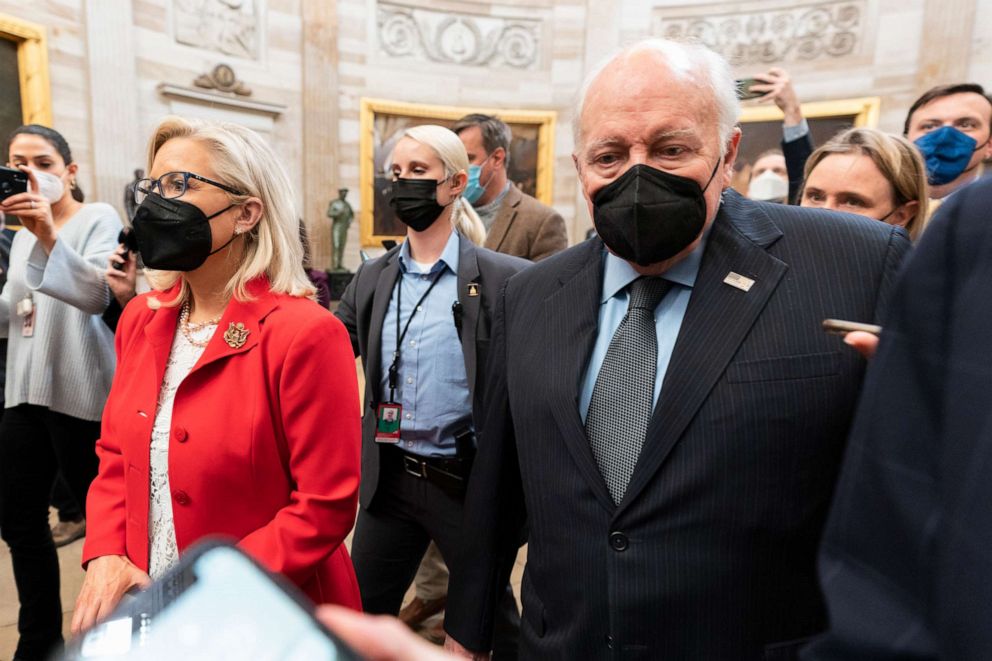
(127, 239)
(217, 604)
(12, 182)
(841, 327)
(744, 91)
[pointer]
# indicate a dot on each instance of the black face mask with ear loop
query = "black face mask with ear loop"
(173, 235)
(415, 202)
(646, 215)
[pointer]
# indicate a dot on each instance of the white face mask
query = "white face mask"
(768, 186)
(49, 186)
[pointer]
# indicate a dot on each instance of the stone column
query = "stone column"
(321, 179)
(113, 85)
(945, 46)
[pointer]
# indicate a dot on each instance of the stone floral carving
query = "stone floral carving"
(228, 26)
(798, 33)
(454, 38)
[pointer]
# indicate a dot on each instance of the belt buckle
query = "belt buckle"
(414, 466)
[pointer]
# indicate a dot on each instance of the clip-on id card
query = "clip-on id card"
(387, 422)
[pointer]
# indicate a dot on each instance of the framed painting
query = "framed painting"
(381, 125)
(762, 128)
(24, 75)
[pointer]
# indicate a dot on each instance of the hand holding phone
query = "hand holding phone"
(218, 604)
(841, 327)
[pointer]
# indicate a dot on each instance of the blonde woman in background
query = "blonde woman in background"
(869, 173)
(419, 317)
(234, 410)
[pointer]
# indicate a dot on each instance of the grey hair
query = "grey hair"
(688, 61)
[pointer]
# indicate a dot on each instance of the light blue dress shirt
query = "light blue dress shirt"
(617, 274)
(433, 384)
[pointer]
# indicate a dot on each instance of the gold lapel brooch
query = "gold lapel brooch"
(236, 335)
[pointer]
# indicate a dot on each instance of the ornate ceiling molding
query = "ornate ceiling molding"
(429, 35)
(798, 33)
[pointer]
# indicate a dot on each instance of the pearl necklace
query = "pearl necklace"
(188, 328)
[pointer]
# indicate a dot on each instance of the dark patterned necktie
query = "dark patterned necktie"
(621, 404)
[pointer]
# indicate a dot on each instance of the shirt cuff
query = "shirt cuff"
(793, 133)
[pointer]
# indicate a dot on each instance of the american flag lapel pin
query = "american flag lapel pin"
(739, 281)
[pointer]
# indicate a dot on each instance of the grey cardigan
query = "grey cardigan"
(68, 363)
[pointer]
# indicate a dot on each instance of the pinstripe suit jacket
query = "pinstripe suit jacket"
(711, 554)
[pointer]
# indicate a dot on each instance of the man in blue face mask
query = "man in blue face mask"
(951, 126)
(516, 223)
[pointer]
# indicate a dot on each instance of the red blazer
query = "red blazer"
(265, 443)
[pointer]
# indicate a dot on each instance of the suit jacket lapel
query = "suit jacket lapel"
(161, 330)
(716, 322)
(504, 219)
(381, 296)
(468, 272)
(574, 310)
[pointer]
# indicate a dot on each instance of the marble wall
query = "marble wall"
(116, 66)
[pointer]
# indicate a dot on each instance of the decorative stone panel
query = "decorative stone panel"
(473, 40)
(231, 27)
(796, 33)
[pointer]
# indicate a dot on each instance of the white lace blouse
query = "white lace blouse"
(162, 550)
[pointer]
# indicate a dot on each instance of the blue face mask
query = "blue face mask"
(947, 152)
(473, 189)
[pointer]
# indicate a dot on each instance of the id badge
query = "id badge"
(387, 422)
(27, 328)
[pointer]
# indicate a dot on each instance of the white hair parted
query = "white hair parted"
(242, 160)
(449, 148)
(689, 61)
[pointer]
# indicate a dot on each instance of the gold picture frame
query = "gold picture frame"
(32, 67)
(762, 127)
(381, 121)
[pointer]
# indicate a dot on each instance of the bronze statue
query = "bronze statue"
(341, 215)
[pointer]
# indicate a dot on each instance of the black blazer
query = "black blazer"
(711, 554)
(363, 309)
(796, 153)
(906, 561)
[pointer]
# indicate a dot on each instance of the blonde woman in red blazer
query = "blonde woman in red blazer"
(234, 409)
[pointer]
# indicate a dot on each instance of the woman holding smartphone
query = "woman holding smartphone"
(211, 426)
(60, 361)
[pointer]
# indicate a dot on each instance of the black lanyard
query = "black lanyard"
(394, 367)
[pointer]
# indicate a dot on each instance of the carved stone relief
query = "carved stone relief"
(811, 31)
(228, 26)
(223, 79)
(457, 38)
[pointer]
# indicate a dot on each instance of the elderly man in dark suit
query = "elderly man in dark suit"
(666, 414)
(905, 563)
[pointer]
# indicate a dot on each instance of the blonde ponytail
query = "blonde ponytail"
(467, 222)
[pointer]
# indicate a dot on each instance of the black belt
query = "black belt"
(448, 473)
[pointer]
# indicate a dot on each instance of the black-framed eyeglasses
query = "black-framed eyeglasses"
(174, 184)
